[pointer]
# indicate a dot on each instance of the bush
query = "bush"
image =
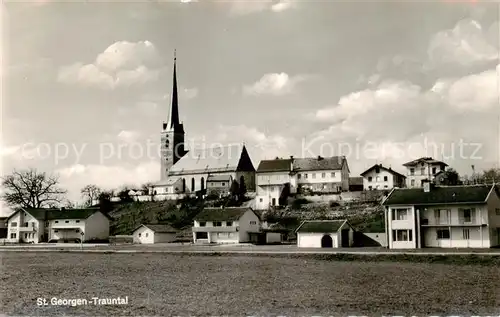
(334, 203)
(297, 203)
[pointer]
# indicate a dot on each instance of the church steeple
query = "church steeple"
(173, 116)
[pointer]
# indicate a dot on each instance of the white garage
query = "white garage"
(325, 234)
(154, 233)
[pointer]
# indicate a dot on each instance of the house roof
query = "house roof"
(439, 195)
(321, 226)
(54, 214)
(388, 169)
(219, 178)
(276, 165)
(221, 214)
(158, 228)
(428, 160)
(319, 163)
(214, 159)
(169, 181)
(355, 180)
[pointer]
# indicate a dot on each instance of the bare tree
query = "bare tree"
(32, 189)
(90, 193)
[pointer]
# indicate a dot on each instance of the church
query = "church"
(204, 170)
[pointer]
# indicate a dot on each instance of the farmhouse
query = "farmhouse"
(422, 170)
(225, 225)
(325, 234)
(219, 184)
(62, 225)
(381, 177)
(445, 217)
(154, 233)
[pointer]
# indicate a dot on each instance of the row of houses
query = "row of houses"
(431, 216)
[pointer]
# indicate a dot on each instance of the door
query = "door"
(345, 238)
(326, 241)
(274, 202)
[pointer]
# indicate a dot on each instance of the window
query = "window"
(370, 179)
(377, 170)
(385, 186)
(13, 224)
(402, 235)
(299, 176)
(67, 221)
(12, 235)
(370, 187)
(222, 235)
(412, 182)
(229, 223)
(443, 234)
(203, 224)
(33, 224)
(56, 221)
(323, 175)
(46, 223)
(433, 170)
(77, 230)
(26, 224)
(261, 200)
(217, 224)
(139, 235)
(25, 236)
(314, 175)
(442, 216)
(56, 231)
(305, 175)
(422, 171)
(497, 211)
(223, 184)
(466, 215)
(386, 178)
(201, 235)
(253, 222)
(77, 221)
(147, 234)
(399, 214)
(466, 234)
(377, 179)
(332, 175)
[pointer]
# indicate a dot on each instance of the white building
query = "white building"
(226, 225)
(325, 234)
(421, 170)
(154, 233)
(278, 178)
(380, 177)
(44, 225)
(445, 217)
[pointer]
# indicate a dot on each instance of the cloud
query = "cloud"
(239, 8)
(273, 84)
(397, 114)
(128, 136)
(260, 144)
(122, 64)
(466, 44)
(76, 176)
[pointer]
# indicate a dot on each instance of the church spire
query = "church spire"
(173, 118)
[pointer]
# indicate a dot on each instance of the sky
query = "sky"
(86, 85)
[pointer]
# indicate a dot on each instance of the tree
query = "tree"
(32, 189)
(235, 188)
(90, 193)
(124, 195)
(489, 176)
(105, 203)
(146, 187)
(450, 177)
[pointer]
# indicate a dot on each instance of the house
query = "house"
(185, 172)
(219, 185)
(45, 225)
(3, 227)
(444, 217)
(154, 233)
(355, 184)
(226, 225)
(422, 170)
(279, 178)
(325, 234)
(380, 177)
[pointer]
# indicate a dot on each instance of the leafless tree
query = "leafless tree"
(32, 189)
(90, 193)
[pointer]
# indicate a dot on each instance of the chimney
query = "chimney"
(319, 158)
(291, 163)
(427, 186)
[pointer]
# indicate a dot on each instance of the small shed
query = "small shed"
(325, 234)
(154, 233)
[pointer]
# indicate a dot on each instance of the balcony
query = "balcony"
(66, 225)
(449, 223)
(216, 229)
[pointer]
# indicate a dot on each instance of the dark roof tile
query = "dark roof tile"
(221, 214)
(159, 228)
(277, 165)
(320, 226)
(390, 170)
(52, 214)
(318, 163)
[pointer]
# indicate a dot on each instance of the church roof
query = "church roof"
(210, 160)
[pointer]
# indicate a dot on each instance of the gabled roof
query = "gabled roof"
(428, 160)
(439, 195)
(355, 180)
(321, 226)
(158, 228)
(219, 178)
(319, 163)
(222, 214)
(276, 165)
(380, 166)
(54, 214)
(216, 159)
(169, 181)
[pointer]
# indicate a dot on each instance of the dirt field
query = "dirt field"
(177, 285)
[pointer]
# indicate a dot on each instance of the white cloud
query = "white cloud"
(75, 177)
(128, 136)
(239, 8)
(466, 44)
(273, 84)
(396, 114)
(282, 5)
(122, 64)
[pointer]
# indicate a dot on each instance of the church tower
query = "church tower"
(172, 135)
